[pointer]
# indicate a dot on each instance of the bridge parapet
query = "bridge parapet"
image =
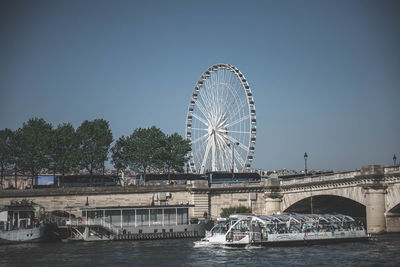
(319, 179)
(392, 170)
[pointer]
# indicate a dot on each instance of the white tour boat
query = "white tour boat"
(284, 229)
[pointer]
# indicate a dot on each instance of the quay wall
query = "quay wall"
(60, 199)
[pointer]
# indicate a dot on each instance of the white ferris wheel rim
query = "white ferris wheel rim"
(221, 121)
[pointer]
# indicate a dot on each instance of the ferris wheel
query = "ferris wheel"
(221, 121)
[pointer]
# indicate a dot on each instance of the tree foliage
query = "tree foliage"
(149, 149)
(64, 149)
(226, 212)
(119, 154)
(34, 139)
(6, 159)
(144, 149)
(95, 138)
(175, 152)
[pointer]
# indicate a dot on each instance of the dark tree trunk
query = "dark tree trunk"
(91, 177)
(62, 178)
(2, 177)
(54, 175)
(15, 178)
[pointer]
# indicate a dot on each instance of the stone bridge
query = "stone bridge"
(373, 193)
(374, 189)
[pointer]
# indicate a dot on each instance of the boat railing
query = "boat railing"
(95, 222)
(255, 236)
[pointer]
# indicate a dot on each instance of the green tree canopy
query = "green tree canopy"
(64, 149)
(176, 150)
(6, 159)
(94, 138)
(119, 154)
(141, 151)
(34, 139)
(226, 212)
(145, 148)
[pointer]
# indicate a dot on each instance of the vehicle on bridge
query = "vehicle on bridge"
(284, 230)
(220, 177)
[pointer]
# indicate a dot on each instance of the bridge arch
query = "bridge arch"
(393, 198)
(325, 204)
(354, 194)
(395, 209)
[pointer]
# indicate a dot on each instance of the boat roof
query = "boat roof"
(304, 218)
(89, 208)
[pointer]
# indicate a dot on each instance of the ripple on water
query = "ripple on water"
(384, 251)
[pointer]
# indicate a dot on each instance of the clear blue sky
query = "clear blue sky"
(325, 74)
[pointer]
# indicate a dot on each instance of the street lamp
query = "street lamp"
(305, 163)
(394, 159)
(305, 171)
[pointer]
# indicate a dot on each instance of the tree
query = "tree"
(118, 155)
(35, 142)
(95, 138)
(6, 159)
(144, 148)
(175, 153)
(226, 212)
(64, 149)
(16, 153)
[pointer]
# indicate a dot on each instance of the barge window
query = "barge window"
(183, 217)
(142, 217)
(156, 216)
(113, 217)
(128, 217)
(169, 217)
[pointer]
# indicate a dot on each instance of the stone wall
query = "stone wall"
(98, 197)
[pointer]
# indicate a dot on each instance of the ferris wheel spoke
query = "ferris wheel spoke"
(238, 121)
(222, 145)
(199, 139)
(200, 119)
(241, 106)
(241, 132)
(199, 129)
(203, 164)
(203, 110)
(239, 158)
(234, 140)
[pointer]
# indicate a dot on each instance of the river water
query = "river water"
(384, 250)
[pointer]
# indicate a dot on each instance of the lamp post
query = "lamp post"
(305, 163)
(394, 159)
(305, 174)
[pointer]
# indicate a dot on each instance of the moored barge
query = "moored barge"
(133, 223)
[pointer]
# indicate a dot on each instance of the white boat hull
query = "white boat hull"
(22, 235)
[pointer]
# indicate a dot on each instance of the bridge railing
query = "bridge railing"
(392, 169)
(324, 178)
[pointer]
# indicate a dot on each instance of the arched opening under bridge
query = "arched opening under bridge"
(329, 204)
(395, 209)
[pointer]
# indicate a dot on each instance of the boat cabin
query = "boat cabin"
(18, 215)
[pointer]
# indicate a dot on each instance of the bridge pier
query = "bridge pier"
(272, 196)
(201, 199)
(272, 205)
(375, 209)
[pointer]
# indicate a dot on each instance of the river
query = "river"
(384, 250)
